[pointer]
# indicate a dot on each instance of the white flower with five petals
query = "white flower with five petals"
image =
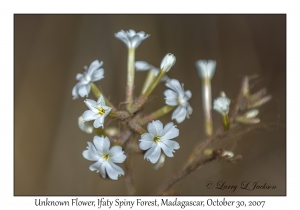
(131, 38)
(177, 96)
(159, 138)
(98, 111)
(91, 74)
(105, 158)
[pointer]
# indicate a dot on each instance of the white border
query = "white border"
(170, 6)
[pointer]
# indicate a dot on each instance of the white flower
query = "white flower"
(131, 38)
(105, 157)
(221, 105)
(159, 138)
(98, 111)
(167, 62)
(144, 66)
(91, 74)
(206, 68)
(177, 96)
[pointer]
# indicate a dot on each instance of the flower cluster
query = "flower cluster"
(158, 140)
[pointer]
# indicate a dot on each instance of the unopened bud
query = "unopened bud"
(167, 63)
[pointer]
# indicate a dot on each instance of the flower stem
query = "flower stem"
(149, 79)
(154, 83)
(206, 98)
(96, 91)
(157, 114)
(130, 77)
(226, 123)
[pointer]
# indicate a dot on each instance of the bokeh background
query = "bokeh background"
(49, 50)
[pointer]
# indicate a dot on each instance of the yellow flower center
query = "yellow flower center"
(101, 111)
(156, 139)
(179, 100)
(105, 156)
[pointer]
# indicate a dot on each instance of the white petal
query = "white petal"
(171, 144)
(94, 66)
(171, 133)
(147, 137)
(92, 105)
(167, 150)
(90, 115)
(188, 95)
(99, 122)
(158, 126)
(102, 144)
(91, 153)
(97, 75)
(144, 144)
(167, 127)
(116, 154)
(83, 91)
(189, 111)
(102, 169)
(123, 37)
(151, 128)
(96, 166)
(131, 33)
(75, 92)
(153, 154)
(136, 41)
(175, 85)
(79, 76)
(170, 94)
(179, 114)
(172, 102)
(113, 171)
(101, 101)
(142, 66)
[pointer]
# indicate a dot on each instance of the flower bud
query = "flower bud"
(167, 63)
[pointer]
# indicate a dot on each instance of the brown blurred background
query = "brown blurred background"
(51, 49)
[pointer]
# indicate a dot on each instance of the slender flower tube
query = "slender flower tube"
(152, 72)
(105, 158)
(92, 73)
(221, 105)
(132, 40)
(206, 70)
(165, 66)
(98, 111)
(159, 138)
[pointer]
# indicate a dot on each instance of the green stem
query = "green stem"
(154, 83)
(157, 114)
(226, 122)
(149, 79)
